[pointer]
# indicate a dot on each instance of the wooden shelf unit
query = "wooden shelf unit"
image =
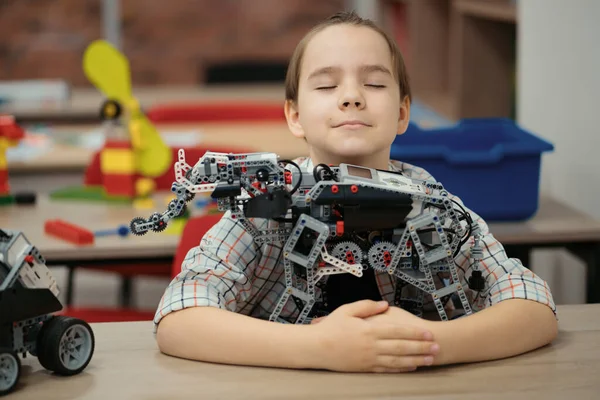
(460, 54)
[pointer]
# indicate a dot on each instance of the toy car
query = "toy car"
(28, 299)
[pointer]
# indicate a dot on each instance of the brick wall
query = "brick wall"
(166, 41)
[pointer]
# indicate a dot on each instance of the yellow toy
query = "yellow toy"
(134, 153)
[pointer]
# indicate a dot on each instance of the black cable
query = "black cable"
(317, 172)
(299, 178)
(465, 213)
(468, 234)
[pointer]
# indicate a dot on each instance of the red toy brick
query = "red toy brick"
(69, 232)
(119, 184)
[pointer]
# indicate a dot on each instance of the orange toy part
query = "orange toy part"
(69, 232)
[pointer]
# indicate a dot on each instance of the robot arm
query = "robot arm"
(253, 181)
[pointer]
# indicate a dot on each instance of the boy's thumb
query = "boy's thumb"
(365, 308)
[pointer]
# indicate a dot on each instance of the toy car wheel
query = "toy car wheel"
(10, 370)
(65, 345)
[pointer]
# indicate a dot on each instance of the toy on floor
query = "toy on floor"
(133, 152)
(28, 299)
(336, 220)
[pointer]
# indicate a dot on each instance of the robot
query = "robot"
(337, 220)
(28, 299)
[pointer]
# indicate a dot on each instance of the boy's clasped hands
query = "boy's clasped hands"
(371, 336)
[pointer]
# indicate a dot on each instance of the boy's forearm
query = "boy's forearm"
(506, 329)
(215, 335)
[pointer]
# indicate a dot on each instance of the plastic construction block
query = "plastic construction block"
(119, 185)
(25, 198)
(117, 161)
(6, 200)
(88, 193)
(69, 232)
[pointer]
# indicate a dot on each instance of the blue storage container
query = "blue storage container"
(490, 163)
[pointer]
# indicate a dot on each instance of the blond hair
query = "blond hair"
(351, 18)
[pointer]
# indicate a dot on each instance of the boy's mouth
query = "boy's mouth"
(351, 124)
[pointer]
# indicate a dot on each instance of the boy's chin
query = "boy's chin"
(353, 154)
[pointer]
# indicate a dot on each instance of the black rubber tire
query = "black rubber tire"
(49, 344)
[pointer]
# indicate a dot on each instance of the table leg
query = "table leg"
(126, 289)
(589, 253)
(70, 285)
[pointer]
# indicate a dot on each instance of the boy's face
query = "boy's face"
(349, 107)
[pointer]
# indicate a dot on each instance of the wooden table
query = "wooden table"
(127, 365)
(556, 225)
(93, 216)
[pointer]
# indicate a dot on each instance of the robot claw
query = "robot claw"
(158, 222)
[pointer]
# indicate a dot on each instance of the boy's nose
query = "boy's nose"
(351, 97)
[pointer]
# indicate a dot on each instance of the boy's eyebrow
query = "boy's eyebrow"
(375, 68)
(323, 71)
(363, 69)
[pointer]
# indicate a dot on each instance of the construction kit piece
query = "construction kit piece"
(337, 220)
(133, 152)
(28, 299)
(69, 232)
(10, 135)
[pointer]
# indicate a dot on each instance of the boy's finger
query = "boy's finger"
(395, 362)
(407, 347)
(406, 332)
(363, 308)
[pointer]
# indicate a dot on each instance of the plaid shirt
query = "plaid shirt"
(228, 270)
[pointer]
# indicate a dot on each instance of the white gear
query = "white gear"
(341, 250)
(377, 255)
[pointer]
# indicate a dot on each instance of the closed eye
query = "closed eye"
(325, 87)
(375, 86)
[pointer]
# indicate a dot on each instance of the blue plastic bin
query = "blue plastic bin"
(490, 163)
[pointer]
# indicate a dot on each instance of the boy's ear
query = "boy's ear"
(404, 115)
(293, 120)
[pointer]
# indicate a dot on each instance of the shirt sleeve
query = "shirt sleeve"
(216, 273)
(505, 278)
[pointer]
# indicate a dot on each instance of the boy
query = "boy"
(347, 95)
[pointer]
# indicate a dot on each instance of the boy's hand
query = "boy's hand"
(353, 342)
(398, 315)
